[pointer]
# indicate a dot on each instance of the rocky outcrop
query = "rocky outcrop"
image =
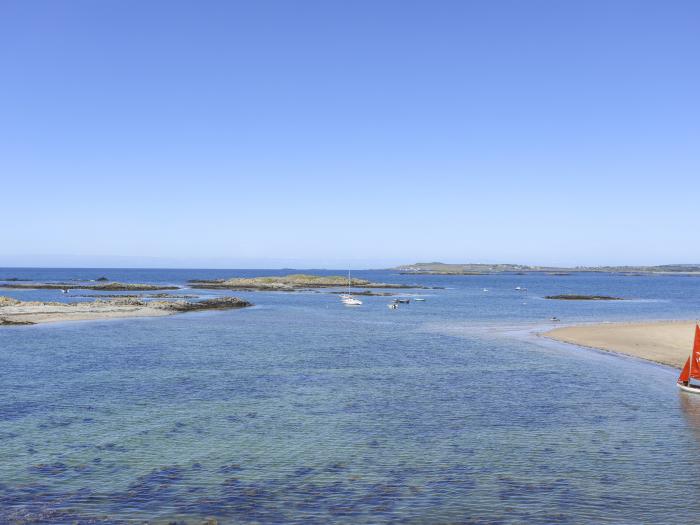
(107, 287)
(288, 283)
(218, 303)
(9, 322)
(14, 312)
(573, 297)
(8, 301)
(369, 293)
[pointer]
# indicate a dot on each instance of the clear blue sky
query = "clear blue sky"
(364, 133)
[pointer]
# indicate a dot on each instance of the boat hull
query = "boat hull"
(691, 389)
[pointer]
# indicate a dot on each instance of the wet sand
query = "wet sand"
(665, 342)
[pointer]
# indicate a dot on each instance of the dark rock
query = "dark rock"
(573, 297)
(9, 322)
(218, 303)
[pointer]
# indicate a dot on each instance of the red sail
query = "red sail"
(695, 356)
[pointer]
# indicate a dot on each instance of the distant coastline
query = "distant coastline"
(438, 268)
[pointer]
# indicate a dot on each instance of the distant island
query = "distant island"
(438, 268)
(286, 283)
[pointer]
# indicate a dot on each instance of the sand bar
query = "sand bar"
(665, 342)
(14, 312)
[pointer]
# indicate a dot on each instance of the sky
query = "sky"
(349, 133)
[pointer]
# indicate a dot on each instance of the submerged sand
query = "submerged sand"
(14, 312)
(665, 342)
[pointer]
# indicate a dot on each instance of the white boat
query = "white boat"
(693, 389)
(418, 299)
(691, 369)
(521, 289)
(347, 298)
(392, 306)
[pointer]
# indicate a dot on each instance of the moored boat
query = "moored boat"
(691, 369)
(347, 298)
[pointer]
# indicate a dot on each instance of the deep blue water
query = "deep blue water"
(301, 410)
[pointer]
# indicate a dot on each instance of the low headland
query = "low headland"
(290, 283)
(438, 268)
(106, 287)
(15, 312)
(664, 342)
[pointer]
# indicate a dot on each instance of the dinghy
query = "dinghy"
(691, 370)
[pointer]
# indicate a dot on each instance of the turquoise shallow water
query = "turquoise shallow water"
(300, 410)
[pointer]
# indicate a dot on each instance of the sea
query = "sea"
(450, 410)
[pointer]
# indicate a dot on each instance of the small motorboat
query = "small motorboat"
(485, 290)
(691, 369)
(402, 301)
(392, 306)
(419, 299)
(554, 319)
(521, 289)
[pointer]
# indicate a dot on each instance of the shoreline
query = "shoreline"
(665, 342)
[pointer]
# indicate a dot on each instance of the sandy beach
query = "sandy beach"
(665, 342)
(14, 312)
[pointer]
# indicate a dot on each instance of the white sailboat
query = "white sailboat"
(348, 299)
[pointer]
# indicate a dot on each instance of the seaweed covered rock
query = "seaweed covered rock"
(218, 303)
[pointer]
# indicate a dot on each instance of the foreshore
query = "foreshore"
(665, 342)
(14, 312)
